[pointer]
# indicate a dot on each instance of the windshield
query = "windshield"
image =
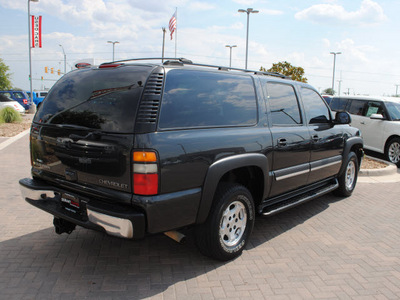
(4, 98)
(102, 99)
(394, 110)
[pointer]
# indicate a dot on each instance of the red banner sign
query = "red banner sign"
(36, 31)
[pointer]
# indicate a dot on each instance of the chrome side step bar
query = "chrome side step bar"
(279, 207)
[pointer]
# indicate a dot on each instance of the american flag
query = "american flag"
(172, 24)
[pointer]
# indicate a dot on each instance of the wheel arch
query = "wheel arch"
(250, 170)
(388, 140)
(354, 144)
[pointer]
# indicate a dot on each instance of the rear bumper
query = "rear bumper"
(114, 219)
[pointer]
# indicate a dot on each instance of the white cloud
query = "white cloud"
(370, 12)
(326, 43)
(353, 52)
(201, 6)
(245, 2)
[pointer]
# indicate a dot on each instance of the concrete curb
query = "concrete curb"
(390, 169)
(11, 140)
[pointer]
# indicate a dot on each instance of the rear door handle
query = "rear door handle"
(315, 138)
(362, 122)
(282, 142)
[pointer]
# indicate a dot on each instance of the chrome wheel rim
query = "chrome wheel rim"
(350, 175)
(233, 224)
(394, 152)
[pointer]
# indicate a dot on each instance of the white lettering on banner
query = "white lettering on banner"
(36, 31)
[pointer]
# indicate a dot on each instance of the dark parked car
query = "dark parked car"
(135, 148)
(20, 96)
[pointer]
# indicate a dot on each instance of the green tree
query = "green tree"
(285, 68)
(5, 82)
(328, 91)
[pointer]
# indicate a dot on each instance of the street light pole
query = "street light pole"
(248, 11)
(163, 44)
(334, 66)
(65, 59)
(230, 54)
(30, 47)
(116, 42)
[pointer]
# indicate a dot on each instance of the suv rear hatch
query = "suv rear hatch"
(83, 132)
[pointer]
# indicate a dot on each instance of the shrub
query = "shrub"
(9, 115)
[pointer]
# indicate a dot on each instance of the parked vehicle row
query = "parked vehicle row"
(378, 118)
(38, 96)
(8, 102)
(20, 96)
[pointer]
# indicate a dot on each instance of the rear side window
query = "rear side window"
(204, 99)
(357, 107)
(104, 99)
(19, 95)
(283, 104)
(338, 104)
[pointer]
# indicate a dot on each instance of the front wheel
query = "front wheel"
(228, 227)
(392, 151)
(348, 180)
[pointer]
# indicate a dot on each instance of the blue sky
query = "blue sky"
(302, 32)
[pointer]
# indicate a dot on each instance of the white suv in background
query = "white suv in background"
(378, 118)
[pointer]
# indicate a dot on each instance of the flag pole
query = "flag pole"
(176, 31)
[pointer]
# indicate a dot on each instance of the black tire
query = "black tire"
(230, 222)
(348, 180)
(392, 151)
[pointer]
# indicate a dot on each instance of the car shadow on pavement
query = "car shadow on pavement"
(268, 227)
(90, 264)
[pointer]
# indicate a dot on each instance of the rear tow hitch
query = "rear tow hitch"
(61, 226)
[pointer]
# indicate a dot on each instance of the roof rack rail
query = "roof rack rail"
(179, 59)
(182, 61)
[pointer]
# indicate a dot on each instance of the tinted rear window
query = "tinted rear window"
(338, 104)
(104, 99)
(283, 104)
(205, 99)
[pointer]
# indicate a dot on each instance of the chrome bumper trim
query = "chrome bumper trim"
(112, 225)
(36, 195)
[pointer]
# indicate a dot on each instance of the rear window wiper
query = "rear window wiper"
(70, 126)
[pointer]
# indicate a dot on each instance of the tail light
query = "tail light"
(145, 173)
(25, 101)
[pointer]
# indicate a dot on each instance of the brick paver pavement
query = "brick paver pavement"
(325, 249)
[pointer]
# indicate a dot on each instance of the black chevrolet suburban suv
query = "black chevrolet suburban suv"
(134, 148)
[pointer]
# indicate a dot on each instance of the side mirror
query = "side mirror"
(377, 117)
(342, 117)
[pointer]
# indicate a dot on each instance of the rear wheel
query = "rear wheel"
(348, 180)
(228, 227)
(392, 151)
